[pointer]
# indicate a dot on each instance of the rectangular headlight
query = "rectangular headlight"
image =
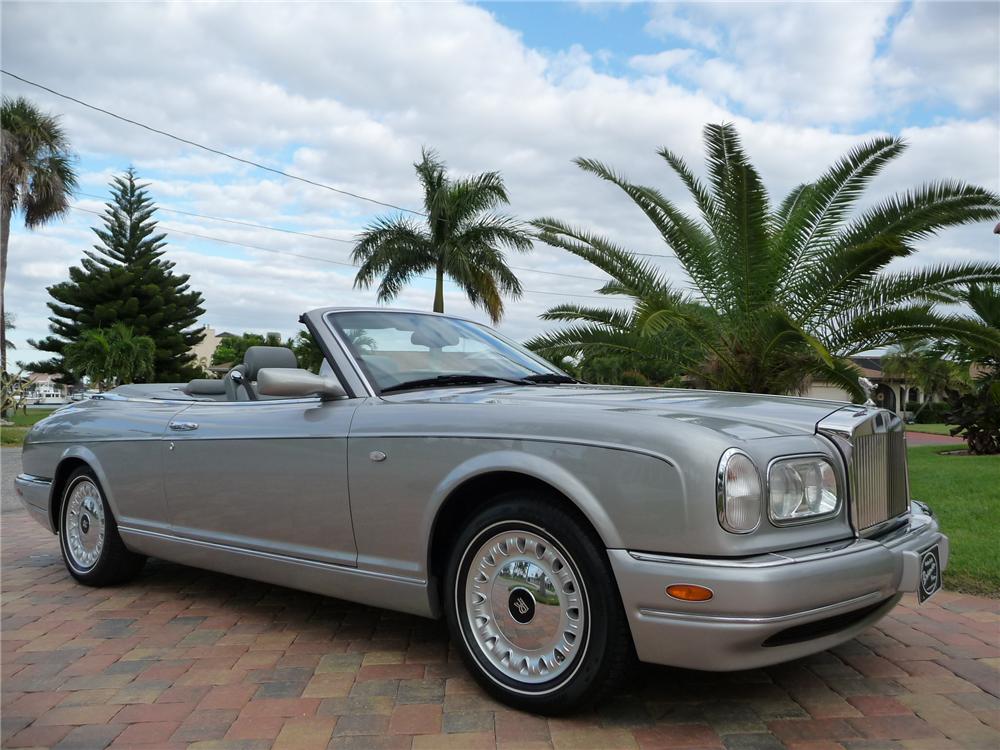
(801, 489)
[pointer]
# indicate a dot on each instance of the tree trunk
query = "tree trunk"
(927, 399)
(439, 289)
(4, 238)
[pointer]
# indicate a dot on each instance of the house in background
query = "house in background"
(204, 350)
(271, 338)
(891, 393)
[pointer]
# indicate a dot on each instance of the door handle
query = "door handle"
(183, 426)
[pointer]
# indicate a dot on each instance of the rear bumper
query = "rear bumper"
(34, 495)
(770, 608)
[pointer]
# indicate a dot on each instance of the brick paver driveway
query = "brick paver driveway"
(182, 656)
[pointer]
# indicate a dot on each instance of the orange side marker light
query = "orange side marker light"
(689, 592)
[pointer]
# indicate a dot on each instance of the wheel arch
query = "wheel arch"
(471, 489)
(71, 460)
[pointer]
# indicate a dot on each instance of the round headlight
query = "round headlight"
(738, 493)
(801, 489)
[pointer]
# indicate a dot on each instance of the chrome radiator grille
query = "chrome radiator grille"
(875, 446)
(878, 478)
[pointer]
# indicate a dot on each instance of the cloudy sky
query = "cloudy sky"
(346, 94)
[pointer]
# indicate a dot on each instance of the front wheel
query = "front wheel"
(92, 549)
(534, 607)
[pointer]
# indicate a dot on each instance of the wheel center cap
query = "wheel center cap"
(85, 523)
(521, 605)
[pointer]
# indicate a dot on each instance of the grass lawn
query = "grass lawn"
(934, 429)
(22, 422)
(964, 492)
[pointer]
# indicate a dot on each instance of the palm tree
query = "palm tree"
(8, 326)
(461, 237)
(786, 293)
(38, 177)
(984, 299)
(928, 366)
(938, 375)
(906, 361)
(112, 355)
(976, 414)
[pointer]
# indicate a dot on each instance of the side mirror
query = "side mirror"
(294, 383)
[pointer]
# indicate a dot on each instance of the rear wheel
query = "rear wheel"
(533, 604)
(88, 535)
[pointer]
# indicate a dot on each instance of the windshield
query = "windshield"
(409, 350)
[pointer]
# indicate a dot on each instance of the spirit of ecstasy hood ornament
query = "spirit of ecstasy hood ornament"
(868, 387)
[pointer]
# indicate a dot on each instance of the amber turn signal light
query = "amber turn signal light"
(689, 592)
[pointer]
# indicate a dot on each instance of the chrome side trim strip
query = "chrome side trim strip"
(272, 556)
(177, 437)
(32, 479)
(854, 603)
(523, 438)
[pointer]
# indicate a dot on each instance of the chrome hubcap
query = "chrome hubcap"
(85, 525)
(526, 607)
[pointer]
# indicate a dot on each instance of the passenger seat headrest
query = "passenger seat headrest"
(259, 357)
(434, 338)
(205, 387)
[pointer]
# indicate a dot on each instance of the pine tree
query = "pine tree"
(126, 279)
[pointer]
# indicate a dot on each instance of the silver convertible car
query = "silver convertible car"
(561, 529)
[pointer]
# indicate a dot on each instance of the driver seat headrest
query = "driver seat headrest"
(259, 357)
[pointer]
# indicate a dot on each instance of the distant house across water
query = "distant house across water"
(44, 389)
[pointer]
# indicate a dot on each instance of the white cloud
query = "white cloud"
(840, 63)
(666, 22)
(661, 62)
(800, 62)
(945, 52)
(347, 94)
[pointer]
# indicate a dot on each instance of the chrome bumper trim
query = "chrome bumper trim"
(758, 597)
(34, 492)
(914, 527)
(855, 603)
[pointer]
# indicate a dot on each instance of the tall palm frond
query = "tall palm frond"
(781, 295)
(38, 177)
(462, 238)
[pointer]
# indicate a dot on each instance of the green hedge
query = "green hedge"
(932, 413)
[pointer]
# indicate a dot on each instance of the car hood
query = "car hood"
(743, 415)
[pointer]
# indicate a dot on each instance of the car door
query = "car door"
(266, 475)
(122, 441)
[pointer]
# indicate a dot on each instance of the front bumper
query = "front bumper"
(34, 495)
(770, 608)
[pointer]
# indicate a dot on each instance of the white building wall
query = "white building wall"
(828, 392)
(204, 350)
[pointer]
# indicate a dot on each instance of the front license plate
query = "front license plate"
(930, 574)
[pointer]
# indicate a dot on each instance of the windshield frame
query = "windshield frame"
(332, 320)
